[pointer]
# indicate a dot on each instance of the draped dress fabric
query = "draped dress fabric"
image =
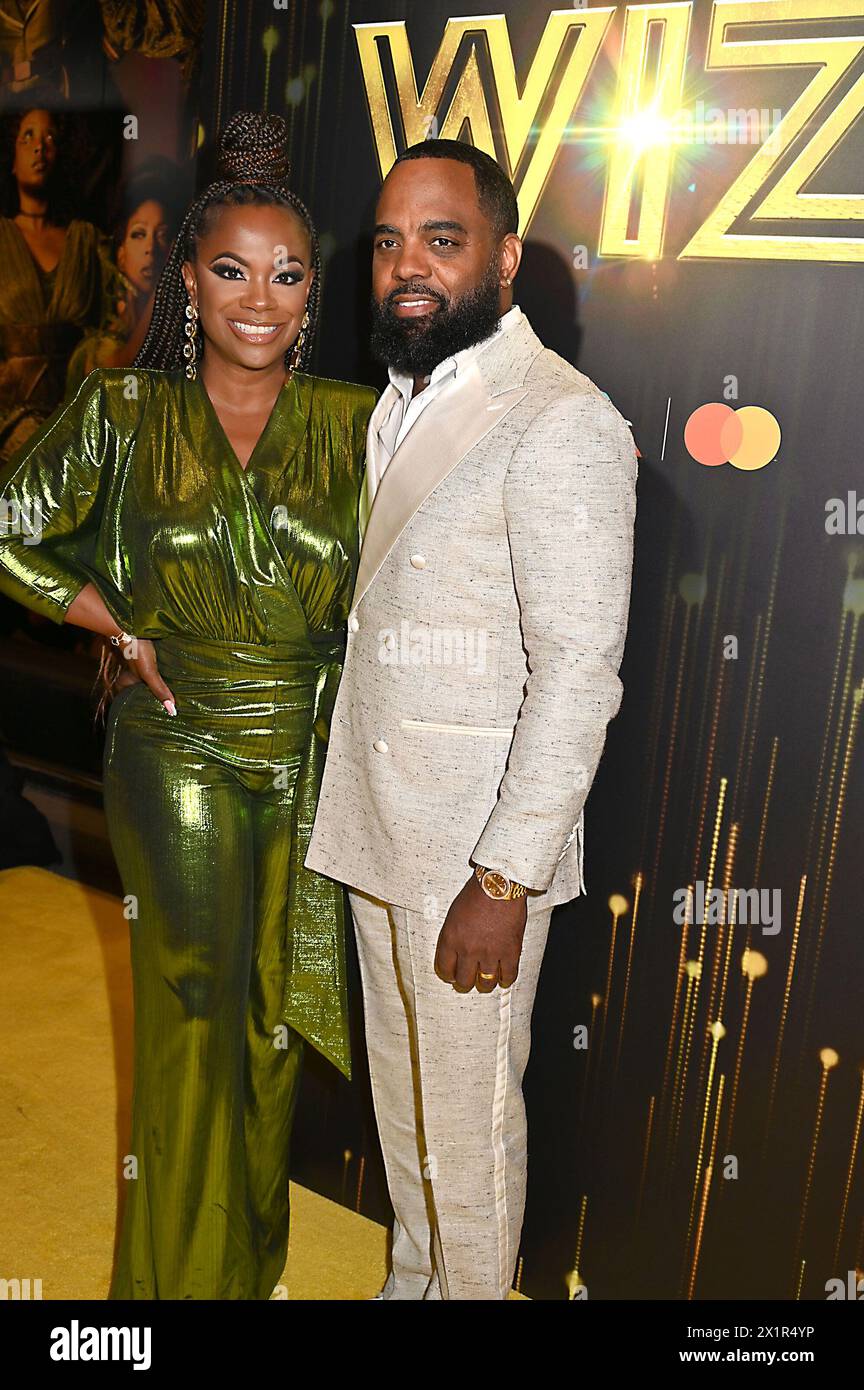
(42, 317)
(243, 580)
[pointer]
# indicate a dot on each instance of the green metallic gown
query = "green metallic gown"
(243, 580)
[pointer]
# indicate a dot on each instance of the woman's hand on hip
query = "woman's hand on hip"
(142, 661)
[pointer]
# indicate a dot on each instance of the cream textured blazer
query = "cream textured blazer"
(485, 637)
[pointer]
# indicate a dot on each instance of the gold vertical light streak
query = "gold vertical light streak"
(766, 806)
(845, 612)
(716, 1032)
(712, 1011)
(361, 1173)
(800, 1283)
(742, 784)
(637, 883)
(649, 1129)
(693, 969)
(829, 1059)
(574, 1279)
(832, 852)
(784, 1013)
(617, 905)
(679, 978)
(346, 1163)
(712, 860)
(708, 775)
(727, 959)
(706, 1188)
(681, 1089)
(853, 601)
(596, 1001)
(853, 606)
(853, 1154)
(754, 965)
(220, 65)
(269, 43)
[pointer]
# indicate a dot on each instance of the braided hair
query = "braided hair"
(252, 170)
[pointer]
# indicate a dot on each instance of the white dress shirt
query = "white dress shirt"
(395, 421)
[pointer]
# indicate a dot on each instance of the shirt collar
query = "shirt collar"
(404, 382)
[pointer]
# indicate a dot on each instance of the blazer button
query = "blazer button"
(418, 561)
(353, 623)
(381, 745)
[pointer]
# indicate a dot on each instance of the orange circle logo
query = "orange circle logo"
(748, 438)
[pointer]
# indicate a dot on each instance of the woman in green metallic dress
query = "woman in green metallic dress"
(202, 513)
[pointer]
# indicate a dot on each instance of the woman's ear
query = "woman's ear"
(189, 281)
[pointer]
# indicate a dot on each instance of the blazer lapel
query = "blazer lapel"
(464, 412)
(372, 471)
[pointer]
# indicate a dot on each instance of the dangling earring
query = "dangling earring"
(190, 347)
(298, 346)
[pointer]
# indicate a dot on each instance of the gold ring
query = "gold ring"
(487, 977)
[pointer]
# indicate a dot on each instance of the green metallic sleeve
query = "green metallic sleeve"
(60, 497)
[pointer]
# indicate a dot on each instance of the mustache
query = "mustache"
(421, 291)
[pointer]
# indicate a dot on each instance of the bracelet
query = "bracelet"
(121, 640)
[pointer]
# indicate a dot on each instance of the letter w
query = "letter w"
(518, 113)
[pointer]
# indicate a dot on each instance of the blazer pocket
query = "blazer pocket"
(479, 730)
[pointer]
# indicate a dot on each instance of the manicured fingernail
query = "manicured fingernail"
(170, 706)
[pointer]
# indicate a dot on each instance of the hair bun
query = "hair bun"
(253, 148)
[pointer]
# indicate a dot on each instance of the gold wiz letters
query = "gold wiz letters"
(830, 55)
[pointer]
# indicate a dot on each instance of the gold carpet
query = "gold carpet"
(65, 1091)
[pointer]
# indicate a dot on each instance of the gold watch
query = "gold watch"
(497, 885)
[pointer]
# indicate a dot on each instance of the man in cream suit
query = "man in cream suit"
(484, 641)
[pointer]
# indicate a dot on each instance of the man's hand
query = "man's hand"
(481, 937)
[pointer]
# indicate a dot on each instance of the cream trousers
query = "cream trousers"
(446, 1071)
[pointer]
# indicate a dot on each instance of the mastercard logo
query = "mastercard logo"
(748, 438)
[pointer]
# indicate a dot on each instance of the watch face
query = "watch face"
(495, 884)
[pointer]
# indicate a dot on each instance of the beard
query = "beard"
(416, 346)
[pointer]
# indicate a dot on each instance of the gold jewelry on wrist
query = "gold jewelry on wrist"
(497, 885)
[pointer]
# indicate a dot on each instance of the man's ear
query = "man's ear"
(511, 255)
